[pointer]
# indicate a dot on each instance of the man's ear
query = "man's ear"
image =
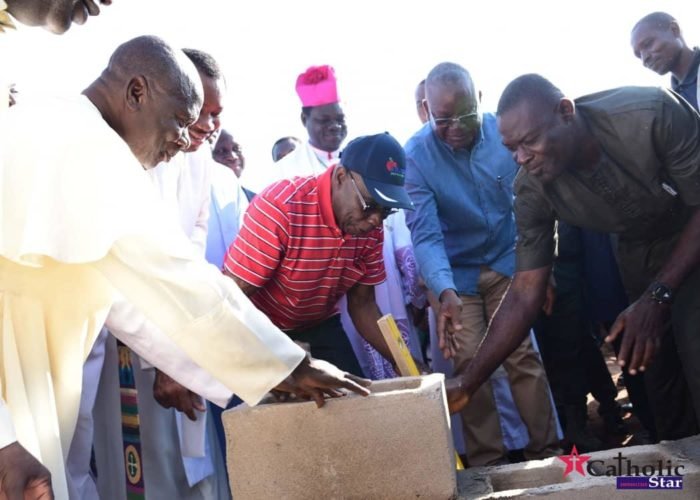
(426, 108)
(567, 109)
(675, 29)
(136, 92)
(304, 117)
(340, 173)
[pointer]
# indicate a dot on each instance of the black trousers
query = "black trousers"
(673, 378)
(329, 342)
(570, 355)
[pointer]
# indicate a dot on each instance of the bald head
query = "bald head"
(657, 41)
(656, 20)
(228, 152)
(167, 69)
(448, 74)
(540, 126)
(533, 88)
(149, 94)
(419, 97)
(283, 146)
(453, 105)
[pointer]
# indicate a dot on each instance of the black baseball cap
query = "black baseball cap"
(381, 162)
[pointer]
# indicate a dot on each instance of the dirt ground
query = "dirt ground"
(595, 423)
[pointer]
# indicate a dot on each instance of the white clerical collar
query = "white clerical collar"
(325, 157)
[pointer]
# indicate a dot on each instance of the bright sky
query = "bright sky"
(380, 50)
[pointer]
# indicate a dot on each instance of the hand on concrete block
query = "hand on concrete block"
(457, 397)
(316, 379)
(395, 444)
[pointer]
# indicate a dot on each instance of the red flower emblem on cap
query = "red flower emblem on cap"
(314, 75)
(391, 165)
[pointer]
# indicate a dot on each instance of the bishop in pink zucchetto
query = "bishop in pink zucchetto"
(317, 86)
(323, 118)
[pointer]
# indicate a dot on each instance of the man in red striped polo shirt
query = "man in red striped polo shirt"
(308, 241)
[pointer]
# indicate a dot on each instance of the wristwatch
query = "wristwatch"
(660, 293)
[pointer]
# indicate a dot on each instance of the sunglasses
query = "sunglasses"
(372, 207)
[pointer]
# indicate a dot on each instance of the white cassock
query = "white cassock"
(304, 160)
(81, 228)
(179, 460)
(228, 205)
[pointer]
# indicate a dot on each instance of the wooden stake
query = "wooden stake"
(402, 356)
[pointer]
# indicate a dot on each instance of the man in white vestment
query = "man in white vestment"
(179, 454)
(82, 230)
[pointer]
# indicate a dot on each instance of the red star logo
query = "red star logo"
(574, 461)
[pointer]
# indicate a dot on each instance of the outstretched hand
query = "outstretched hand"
(644, 323)
(170, 394)
(22, 477)
(317, 379)
(449, 322)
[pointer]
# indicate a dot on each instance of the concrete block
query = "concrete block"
(394, 444)
(546, 479)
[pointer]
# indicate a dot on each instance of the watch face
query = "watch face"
(661, 293)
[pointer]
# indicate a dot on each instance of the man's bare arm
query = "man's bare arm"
(246, 287)
(363, 310)
(508, 328)
(645, 321)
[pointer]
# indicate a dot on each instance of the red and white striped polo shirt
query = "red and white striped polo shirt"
(291, 248)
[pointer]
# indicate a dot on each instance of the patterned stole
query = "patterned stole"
(133, 462)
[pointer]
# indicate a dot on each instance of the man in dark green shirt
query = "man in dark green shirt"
(623, 161)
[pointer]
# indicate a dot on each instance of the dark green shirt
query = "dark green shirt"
(642, 187)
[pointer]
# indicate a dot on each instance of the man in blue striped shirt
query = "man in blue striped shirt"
(459, 177)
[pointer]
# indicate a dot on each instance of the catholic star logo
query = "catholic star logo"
(574, 461)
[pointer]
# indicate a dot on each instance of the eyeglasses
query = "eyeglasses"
(372, 207)
(470, 120)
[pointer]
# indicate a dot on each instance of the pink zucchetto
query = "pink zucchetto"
(317, 86)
